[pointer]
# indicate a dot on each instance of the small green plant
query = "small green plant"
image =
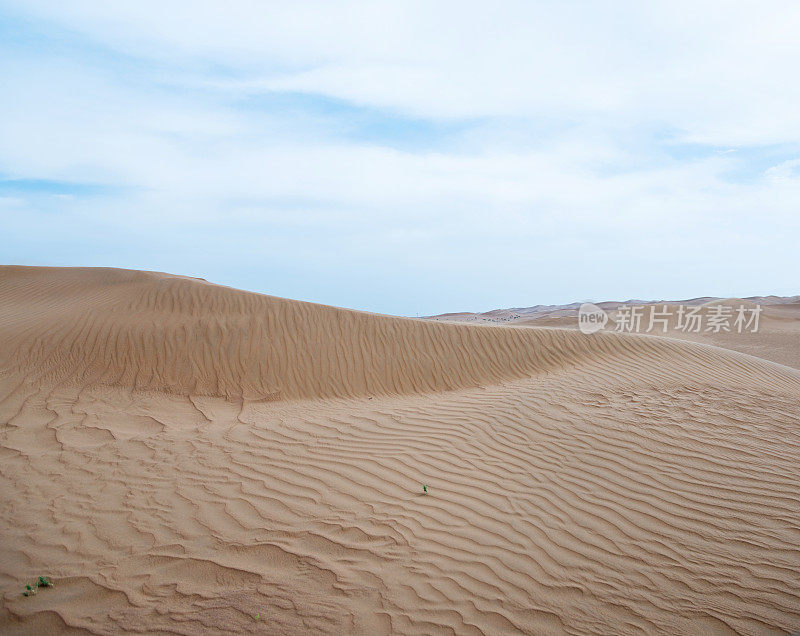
(424, 487)
(42, 581)
(257, 617)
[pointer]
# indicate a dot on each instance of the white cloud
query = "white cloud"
(786, 172)
(567, 124)
(720, 72)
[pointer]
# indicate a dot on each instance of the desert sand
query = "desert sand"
(181, 457)
(777, 337)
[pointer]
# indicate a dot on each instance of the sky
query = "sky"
(408, 157)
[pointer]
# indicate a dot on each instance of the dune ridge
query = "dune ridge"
(152, 331)
(577, 485)
(777, 337)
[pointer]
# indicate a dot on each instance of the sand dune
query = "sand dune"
(181, 456)
(777, 337)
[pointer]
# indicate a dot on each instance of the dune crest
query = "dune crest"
(153, 331)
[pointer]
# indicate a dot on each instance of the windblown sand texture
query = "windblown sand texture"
(776, 338)
(179, 457)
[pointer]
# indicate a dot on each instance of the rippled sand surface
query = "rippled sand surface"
(181, 457)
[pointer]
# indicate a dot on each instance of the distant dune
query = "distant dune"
(181, 457)
(777, 337)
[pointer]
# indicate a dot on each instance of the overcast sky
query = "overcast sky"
(408, 157)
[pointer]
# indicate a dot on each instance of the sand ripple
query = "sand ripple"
(180, 457)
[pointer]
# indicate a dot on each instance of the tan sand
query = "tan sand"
(179, 457)
(777, 337)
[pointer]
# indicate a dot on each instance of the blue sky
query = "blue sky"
(408, 157)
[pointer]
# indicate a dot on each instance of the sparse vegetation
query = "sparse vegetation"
(42, 581)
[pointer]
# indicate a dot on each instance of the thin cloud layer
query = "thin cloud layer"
(406, 158)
